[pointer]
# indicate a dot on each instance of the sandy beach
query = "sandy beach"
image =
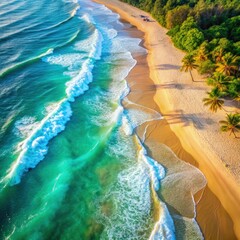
(188, 128)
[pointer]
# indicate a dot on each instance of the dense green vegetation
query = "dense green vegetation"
(209, 32)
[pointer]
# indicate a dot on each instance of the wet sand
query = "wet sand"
(213, 219)
(188, 128)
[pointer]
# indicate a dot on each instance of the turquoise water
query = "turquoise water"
(72, 166)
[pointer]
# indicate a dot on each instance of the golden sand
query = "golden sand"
(189, 129)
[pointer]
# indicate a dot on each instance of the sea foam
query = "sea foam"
(163, 229)
(34, 148)
(24, 127)
(79, 84)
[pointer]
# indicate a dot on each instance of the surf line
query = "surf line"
(35, 147)
(164, 228)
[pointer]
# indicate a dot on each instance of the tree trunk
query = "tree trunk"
(234, 134)
(226, 110)
(191, 75)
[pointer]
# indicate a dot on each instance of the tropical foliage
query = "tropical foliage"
(209, 32)
(231, 124)
(189, 63)
(219, 81)
(214, 100)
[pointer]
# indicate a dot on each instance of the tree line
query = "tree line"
(209, 32)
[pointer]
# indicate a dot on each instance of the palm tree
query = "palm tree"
(234, 89)
(218, 55)
(219, 81)
(231, 124)
(202, 54)
(189, 63)
(214, 100)
(228, 65)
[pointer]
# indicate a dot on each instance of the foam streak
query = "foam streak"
(35, 147)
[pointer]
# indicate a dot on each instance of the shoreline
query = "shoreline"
(194, 133)
(159, 134)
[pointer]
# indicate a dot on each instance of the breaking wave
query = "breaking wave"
(35, 147)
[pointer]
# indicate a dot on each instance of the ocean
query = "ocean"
(71, 163)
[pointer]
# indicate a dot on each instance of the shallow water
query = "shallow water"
(72, 166)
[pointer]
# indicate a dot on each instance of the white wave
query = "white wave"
(50, 108)
(98, 10)
(25, 126)
(127, 128)
(164, 229)
(49, 51)
(34, 148)
(79, 84)
(88, 18)
(119, 45)
(96, 46)
(70, 60)
(156, 170)
(71, 1)
(131, 198)
(112, 115)
(136, 116)
(111, 33)
(91, 45)
(108, 33)
(74, 12)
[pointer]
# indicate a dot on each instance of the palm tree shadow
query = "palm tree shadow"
(197, 120)
(228, 102)
(179, 86)
(167, 67)
(170, 86)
